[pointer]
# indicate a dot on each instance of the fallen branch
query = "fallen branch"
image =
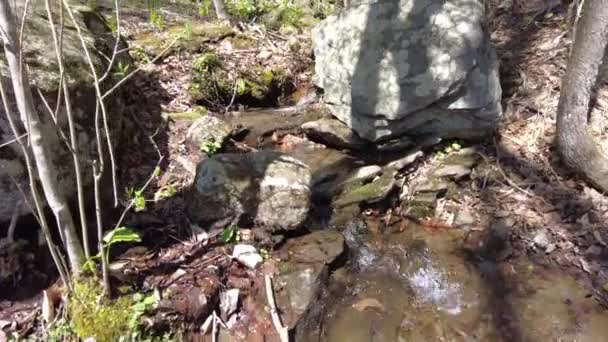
(276, 320)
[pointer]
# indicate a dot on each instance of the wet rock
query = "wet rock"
(247, 255)
(333, 133)
(367, 193)
(300, 289)
(394, 68)
(270, 189)
(303, 279)
(363, 174)
(323, 246)
(208, 130)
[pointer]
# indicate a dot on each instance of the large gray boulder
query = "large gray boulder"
(43, 70)
(269, 189)
(409, 68)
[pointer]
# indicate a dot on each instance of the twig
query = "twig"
(14, 219)
(13, 140)
(73, 136)
(276, 320)
(124, 79)
(100, 102)
(116, 43)
(233, 96)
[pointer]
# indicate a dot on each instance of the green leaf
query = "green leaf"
(228, 235)
(157, 171)
(139, 202)
(121, 234)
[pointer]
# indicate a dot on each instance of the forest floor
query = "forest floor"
(554, 217)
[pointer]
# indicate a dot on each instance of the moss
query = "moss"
(198, 112)
(106, 321)
(242, 42)
(420, 210)
(214, 85)
(190, 37)
(370, 192)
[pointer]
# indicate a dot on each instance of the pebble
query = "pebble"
(247, 255)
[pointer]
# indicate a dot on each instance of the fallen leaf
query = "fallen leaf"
(368, 303)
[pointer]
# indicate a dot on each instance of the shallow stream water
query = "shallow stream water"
(421, 285)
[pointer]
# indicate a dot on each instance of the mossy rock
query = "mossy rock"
(367, 193)
(190, 37)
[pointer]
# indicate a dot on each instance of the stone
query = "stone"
(401, 163)
(333, 133)
(409, 68)
(464, 218)
(367, 193)
(364, 173)
(541, 239)
(208, 129)
(229, 301)
(39, 55)
(323, 246)
(247, 255)
(268, 189)
(452, 171)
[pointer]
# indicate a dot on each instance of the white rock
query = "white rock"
(229, 301)
(247, 255)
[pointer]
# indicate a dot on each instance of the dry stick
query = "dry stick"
(46, 166)
(276, 320)
(101, 104)
(57, 259)
(73, 137)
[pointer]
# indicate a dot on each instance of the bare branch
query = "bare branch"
(47, 170)
(73, 137)
(116, 43)
(100, 100)
(57, 258)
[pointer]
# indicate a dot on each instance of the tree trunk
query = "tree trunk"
(47, 170)
(220, 10)
(574, 140)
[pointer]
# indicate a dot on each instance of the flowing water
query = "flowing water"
(419, 286)
(422, 285)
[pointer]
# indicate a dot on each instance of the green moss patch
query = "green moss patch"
(214, 86)
(190, 37)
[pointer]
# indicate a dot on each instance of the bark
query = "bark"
(220, 10)
(574, 140)
(46, 168)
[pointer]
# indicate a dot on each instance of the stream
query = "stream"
(422, 284)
